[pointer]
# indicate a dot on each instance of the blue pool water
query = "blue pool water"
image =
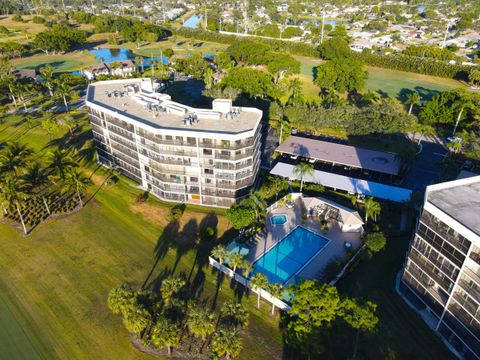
(284, 259)
(192, 21)
(279, 219)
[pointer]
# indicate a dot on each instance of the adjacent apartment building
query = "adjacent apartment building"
(441, 276)
(178, 153)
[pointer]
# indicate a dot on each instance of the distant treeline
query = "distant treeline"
(427, 66)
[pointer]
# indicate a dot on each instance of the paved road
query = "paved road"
(426, 169)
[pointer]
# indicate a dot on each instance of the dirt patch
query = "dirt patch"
(98, 179)
(158, 216)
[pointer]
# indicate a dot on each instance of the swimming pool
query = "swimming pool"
(278, 219)
(289, 255)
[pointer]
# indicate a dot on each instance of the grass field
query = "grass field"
(54, 282)
(394, 83)
(389, 82)
(61, 63)
(17, 29)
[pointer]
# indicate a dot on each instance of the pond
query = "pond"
(109, 55)
(193, 21)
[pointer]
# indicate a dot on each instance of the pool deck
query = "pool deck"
(333, 250)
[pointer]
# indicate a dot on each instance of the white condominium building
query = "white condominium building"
(441, 277)
(201, 156)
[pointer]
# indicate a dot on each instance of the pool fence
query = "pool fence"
(242, 280)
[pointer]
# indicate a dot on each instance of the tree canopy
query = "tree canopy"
(341, 74)
(59, 38)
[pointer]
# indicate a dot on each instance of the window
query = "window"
(208, 171)
(207, 152)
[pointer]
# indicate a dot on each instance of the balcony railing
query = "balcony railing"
(164, 178)
(121, 132)
(227, 145)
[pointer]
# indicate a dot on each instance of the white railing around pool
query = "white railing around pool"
(242, 280)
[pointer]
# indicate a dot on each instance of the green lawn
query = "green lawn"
(389, 82)
(54, 283)
(395, 83)
(61, 63)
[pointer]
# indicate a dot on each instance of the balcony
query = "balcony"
(233, 157)
(121, 132)
(124, 150)
(127, 159)
(167, 179)
(227, 145)
(94, 120)
(170, 161)
(167, 170)
(465, 319)
(428, 268)
(472, 290)
(216, 192)
(120, 123)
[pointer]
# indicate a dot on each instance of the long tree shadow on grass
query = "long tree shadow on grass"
(164, 242)
(73, 141)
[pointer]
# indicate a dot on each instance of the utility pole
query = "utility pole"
(323, 25)
(206, 16)
(446, 33)
(245, 15)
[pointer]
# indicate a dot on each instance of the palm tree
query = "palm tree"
(234, 313)
(371, 97)
(12, 193)
(255, 202)
(295, 87)
(46, 75)
(372, 209)
(413, 99)
(139, 62)
(169, 287)
(259, 281)
(226, 343)
(235, 260)
(36, 178)
(14, 157)
(301, 170)
(77, 181)
(10, 81)
(219, 252)
(166, 334)
(462, 104)
(60, 163)
(63, 89)
(474, 77)
(201, 322)
(277, 291)
(247, 268)
(426, 130)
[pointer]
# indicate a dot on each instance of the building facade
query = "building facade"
(441, 275)
(182, 154)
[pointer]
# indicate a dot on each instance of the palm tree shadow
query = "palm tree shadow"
(164, 243)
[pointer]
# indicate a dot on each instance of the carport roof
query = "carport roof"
(345, 183)
(347, 155)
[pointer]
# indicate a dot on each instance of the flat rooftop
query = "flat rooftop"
(461, 202)
(379, 161)
(135, 99)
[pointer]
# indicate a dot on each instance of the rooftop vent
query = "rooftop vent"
(190, 120)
